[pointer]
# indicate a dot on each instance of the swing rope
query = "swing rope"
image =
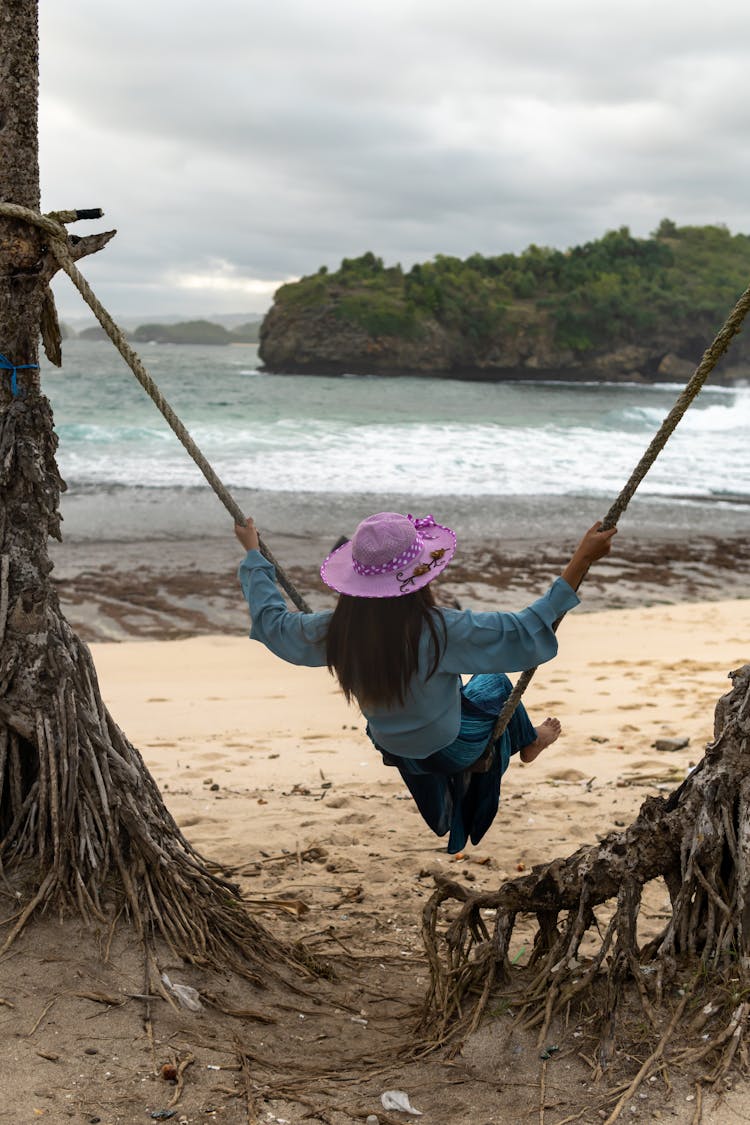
(711, 357)
(58, 245)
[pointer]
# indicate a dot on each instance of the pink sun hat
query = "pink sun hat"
(389, 555)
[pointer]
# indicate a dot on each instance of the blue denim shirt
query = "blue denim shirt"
(474, 642)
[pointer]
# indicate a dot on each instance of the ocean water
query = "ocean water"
(309, 453)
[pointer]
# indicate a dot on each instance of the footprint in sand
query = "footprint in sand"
(338, 803)
(568, 775)
(188, 821)
(560, 803)
(340, 840)
(355, 818)
(380, 875)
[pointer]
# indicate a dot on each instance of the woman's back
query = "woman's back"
(402, 659)
(469, 643)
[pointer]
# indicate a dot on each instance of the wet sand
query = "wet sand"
(167, 589)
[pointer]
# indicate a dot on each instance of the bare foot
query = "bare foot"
(546, 734)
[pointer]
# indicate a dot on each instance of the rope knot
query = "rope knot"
(48, 223)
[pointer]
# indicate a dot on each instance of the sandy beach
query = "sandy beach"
(224, 726)
(257, 757)
(269, 773)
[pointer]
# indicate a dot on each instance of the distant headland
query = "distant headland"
(183, 332)
(616, 309)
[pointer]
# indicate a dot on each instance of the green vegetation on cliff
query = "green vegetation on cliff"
(616, 291)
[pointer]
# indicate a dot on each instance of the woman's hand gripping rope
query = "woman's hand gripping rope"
(595, 544)
(247, 534)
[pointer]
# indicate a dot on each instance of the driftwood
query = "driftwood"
(698, 841)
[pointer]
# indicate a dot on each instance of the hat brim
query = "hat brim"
(338, 570)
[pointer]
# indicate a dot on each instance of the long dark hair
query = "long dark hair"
(372, 646)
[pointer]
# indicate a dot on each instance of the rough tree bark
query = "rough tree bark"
(81, 820)
(693, 980)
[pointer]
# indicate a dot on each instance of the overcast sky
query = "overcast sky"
(235, 143)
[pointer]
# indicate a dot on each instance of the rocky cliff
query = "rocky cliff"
(619, 310)
(316, 342)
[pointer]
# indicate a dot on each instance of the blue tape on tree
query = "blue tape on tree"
(6, 365)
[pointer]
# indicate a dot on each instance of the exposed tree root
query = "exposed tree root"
(82, 822)
(93, 820)
(691, 983)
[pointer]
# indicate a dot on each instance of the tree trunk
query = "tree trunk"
(698, 841)
(81, 819)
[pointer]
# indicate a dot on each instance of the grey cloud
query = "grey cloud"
(281, 138)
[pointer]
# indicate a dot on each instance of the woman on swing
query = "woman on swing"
(401, 658)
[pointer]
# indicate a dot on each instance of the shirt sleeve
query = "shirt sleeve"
(298, 638)
(506, 642)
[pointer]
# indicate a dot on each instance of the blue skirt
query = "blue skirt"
(450, 797)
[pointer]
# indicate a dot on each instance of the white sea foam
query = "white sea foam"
(458, 459)
(396, 436)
